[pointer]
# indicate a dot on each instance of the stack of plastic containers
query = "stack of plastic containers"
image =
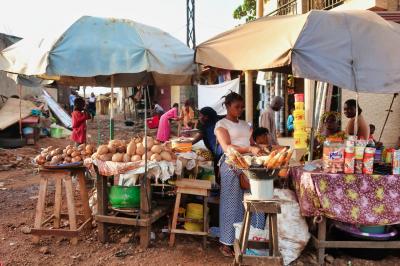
(300, 134)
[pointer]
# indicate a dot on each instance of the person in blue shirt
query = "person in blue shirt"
(289, 123)
(208, 118)
(72, 98)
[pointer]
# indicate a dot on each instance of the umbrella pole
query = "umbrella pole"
(356, 121)
(387, 116)
(311, 155)
(20, 112)
(112, 109)
(145, 133)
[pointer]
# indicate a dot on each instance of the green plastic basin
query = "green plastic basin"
(124, 197)
(379, 229)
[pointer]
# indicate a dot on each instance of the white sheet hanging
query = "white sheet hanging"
(211, 95)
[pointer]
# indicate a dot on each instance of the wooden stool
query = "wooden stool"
(191, 187)
(270, 208)
(62, 175)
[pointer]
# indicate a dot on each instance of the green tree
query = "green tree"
(246, 10)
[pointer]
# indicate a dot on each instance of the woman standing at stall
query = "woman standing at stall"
(208, 118)
(187, 115)
(235, 133)
(164, 127)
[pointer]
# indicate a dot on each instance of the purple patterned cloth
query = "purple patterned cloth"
(354, 199)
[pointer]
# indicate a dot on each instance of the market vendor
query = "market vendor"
(157, 109)
(350, 110)
(164, 127)
(235, 133)
(187, 115)
(330, 128)
(208, 118)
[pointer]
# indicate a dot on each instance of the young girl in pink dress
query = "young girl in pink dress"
(164, 127)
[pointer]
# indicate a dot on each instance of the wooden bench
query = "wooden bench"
(191, 187)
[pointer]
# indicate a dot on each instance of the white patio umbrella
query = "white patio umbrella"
(355, 50)
(103, 52)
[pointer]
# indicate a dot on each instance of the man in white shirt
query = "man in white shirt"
(267, 118)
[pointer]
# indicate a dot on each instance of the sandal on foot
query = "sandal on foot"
(226, 251)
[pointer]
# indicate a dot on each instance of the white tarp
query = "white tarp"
(212, 95)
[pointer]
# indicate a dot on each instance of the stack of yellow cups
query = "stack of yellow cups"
(300, 134)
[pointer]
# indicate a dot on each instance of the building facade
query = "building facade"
(374, 113)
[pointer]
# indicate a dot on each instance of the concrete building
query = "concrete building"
(375, 106)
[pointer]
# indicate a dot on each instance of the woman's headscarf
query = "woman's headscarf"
(210, 113)
(336, 115)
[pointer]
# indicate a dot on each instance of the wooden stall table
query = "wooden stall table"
(352, 199)
(60, 175)
(146, 217)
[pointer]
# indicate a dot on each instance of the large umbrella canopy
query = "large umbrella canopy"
(356, 50)
(92, 49)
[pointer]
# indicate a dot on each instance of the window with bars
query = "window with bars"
(324, 4)
(285, 7)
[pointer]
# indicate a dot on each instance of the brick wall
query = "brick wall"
(374, 110)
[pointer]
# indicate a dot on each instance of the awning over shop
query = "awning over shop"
(356, 50)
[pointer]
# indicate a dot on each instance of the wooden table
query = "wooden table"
(147, 214)
(320, 242)
(339, 197)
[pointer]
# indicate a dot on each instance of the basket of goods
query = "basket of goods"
(71, 156)
(205, 154)
(182, 144)
(261, 170)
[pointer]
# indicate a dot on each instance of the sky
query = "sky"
(28, 18)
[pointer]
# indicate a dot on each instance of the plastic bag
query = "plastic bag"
(255, 234)
(292, 228)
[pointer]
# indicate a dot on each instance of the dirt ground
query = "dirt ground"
(18, 196)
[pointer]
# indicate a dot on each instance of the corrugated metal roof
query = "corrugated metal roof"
(390, 15)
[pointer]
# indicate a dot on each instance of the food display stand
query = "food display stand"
(356, 199)
(147, 214)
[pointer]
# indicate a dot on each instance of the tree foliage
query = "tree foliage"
(246, 10)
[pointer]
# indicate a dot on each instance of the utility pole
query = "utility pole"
(248, 76)
(190, 24)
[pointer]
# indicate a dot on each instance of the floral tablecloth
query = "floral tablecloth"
(355, 199)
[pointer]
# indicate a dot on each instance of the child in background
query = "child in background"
(79, 117)
(371, 132)
(261, 137)
(290, 123)
(371, 136)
